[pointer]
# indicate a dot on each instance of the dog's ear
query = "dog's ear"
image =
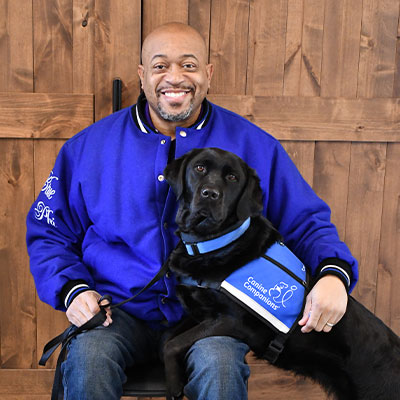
(175, 172)
(250, 203)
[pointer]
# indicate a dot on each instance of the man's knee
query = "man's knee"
(219, 351)
(216, 368)
(94, 353)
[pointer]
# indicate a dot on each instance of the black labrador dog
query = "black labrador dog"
(358, 359)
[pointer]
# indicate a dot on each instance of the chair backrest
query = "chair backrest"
(145, 380)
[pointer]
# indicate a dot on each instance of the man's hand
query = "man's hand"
(84, 307)
(326, 303)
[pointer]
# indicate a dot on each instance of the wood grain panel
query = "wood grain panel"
(302, 154)
(339, 74)
(228, 45)
(312, 39)
(378, 48)
(16, 46)
(26, 397)
(388, 295)
(117, 52)
(17, 293)
(331, 179)
(341, 46)
(200, 18)
(376, 79)
(315, 118)
(294, 32)
(266, 50)
(159, 12)
(83, 46)
(363, 222)
(25, 383)
(39, 115)
(396, 86)
(52, 46)
(268, 382)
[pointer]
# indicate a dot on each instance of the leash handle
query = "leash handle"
(108, 300)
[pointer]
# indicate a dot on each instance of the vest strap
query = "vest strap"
(275, 348)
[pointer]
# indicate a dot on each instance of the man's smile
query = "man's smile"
(175, 97)
(175, 94)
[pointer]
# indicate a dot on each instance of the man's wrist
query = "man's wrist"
(72, 289)
(337, 268)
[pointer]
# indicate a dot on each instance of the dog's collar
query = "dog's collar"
(194, 248)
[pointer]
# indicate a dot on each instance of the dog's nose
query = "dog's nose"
(210, 193)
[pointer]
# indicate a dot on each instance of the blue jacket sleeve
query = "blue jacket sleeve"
(304, 220)
(56, 225)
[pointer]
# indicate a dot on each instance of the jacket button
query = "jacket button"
(163, 300)
(163, 141)
(160, 178)
(183, 133)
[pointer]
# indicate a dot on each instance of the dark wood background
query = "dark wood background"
(323, 76)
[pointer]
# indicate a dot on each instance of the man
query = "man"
(104, 223)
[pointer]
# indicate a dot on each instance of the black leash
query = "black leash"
(72, 331)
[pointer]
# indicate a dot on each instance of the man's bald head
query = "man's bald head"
(174, 31)
(175, 75)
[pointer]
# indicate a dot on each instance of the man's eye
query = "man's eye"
(200, 168)
(159, 67)
(231, 177)
(189, 66)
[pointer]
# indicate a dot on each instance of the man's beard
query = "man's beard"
(175, 117)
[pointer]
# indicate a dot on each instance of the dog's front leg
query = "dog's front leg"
(176, 348)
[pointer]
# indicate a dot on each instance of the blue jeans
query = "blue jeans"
(94, 368)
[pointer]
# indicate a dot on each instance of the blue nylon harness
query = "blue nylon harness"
(272, 287)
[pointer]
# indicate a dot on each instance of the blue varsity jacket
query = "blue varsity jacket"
(105, 217)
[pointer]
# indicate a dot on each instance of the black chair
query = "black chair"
(145, 380)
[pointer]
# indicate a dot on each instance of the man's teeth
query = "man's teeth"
(174, 94)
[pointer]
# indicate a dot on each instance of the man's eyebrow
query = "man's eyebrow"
(157, 56)
(190, 56)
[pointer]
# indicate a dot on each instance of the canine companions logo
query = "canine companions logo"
(47, 188)
(281, 294)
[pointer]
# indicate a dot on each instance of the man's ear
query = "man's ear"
(210, 71)
(141, 74)
(250, 202)
(175, 172)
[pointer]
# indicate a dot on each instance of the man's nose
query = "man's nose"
(211, 193)
(174, 75)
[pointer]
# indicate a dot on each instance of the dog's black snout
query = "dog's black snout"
(210, 193)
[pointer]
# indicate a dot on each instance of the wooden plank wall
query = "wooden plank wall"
(323, 76)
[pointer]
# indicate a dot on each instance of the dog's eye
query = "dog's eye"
(231, 177)
(200, 168)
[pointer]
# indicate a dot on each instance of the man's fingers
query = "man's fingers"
(306, 312)
(108, 320)
(78, 318)
(84, 307)
(312, 321)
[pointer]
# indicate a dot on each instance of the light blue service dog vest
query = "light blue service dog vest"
(273, 287)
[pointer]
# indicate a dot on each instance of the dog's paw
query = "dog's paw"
(175, 390)
(175, 397)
